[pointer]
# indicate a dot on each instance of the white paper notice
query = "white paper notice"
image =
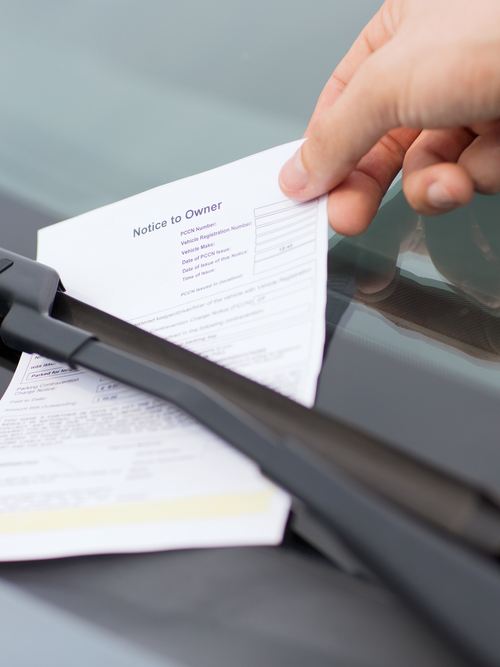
(220, 263)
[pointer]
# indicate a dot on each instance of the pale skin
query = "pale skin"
(418, 90)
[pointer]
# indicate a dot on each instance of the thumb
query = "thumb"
(342, 134)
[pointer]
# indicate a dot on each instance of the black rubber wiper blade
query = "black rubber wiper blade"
(431, 494)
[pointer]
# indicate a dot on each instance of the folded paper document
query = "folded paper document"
(220, 263)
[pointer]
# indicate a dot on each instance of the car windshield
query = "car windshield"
(104, 100)
(413, 329)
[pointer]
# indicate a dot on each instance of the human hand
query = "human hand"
(419, 89)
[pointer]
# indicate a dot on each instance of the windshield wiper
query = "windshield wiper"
(452, 585)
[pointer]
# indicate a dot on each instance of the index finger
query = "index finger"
(377, 32)
(347, 130)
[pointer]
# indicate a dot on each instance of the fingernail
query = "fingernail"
(294, 176)
(439, 196)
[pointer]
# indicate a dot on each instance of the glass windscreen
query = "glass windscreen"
(108, 99)
(413, 334)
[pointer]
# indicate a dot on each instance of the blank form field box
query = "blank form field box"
(284, 231)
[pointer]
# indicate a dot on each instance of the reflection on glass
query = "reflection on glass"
(438, 277)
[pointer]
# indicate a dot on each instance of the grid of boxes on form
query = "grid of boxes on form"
(286, 230)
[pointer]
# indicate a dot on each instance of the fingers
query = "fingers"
(344, 127)
(353, 204)
(375, 34)
(481, 160)
(433, 182)
(442, 168)
(346, 131)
